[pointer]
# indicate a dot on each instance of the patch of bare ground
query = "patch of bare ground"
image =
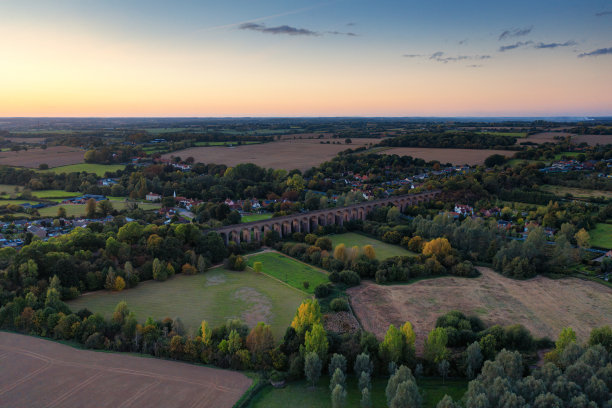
(291, 154)
(341, 322)
(260, 308)
(542, 305)
(36, 373)
(454, 156)
(54, 156)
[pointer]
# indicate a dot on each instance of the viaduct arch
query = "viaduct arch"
(306, 222)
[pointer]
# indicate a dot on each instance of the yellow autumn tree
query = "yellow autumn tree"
(438, 247)
(307, 315)
(340, 252)
(354, 253)
(206, 333)
(408, 333)
(119, 284)
(369, 251)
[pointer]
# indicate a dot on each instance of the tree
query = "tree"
(447, 402)
(338, 378)
(258, 267)
(364, 381)
(296, 183)
(337, 361)
(435, 346)
(110, 279)
(366, 400)
(307, 315)
(340, 252)
(583, 239)
(443, 368)
(601, 335)
(369, 252)
(407, 395)
(338, 397)
(473, 360)
(234, 342)
(392, 347)
(159, 270)
(315, 341)
(312, 368)
(206, 333)
(363, 364)
(90, 208)
(188, 269)
(119, 284)
(438, 247)
(61, 212)
(409, 336)
(403, 375)
(202, 264)
(260, 339)
(105, 207)
(416, 244)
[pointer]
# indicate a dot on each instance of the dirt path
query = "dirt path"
(542, 305)
(36, 373)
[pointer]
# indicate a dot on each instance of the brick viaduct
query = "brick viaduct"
(306, 222)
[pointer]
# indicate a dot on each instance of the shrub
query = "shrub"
(339, 305)
(324, 243)
(188, 269)
(322, 290)
(306, 284)
(310, 239)
(350, 278)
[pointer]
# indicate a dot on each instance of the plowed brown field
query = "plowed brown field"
(41, 373)
(54, 156)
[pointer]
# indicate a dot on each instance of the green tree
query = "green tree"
(443, 368)
(473, 360)
(337, 378)
(258, 267)
(402, 374)
(435, 346)
(601, 335)
(364, 381)
(312, 368)
(61, 212)
(202, 264)
(338, 396)
(90, 208)
(315, 341)
(366, 400)
(447, 402)
(337, 361)
(363, 364)
(105, 207)
(407, 395)
(392, 347)
(159, 270)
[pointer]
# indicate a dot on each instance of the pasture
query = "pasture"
(288, 270)
(78, 210)
(98, 169)
(454, 156)
(256, 217)
(286, 154)
(576, 192)
(544, 306)
(601, 236)
(41, 372)
(53, 156)
(300, 394)
(383, 250)
(214, 296)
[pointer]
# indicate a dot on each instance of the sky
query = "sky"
(305, 58)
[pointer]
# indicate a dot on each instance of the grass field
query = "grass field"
(383, 250)
(300, 394)
(601, 236)
(507, 134)
(78, 210)
(544, 306)
(255, 217)
(98, 169)
(214, 296)
(289, 270)
(49, 194)
(576, 192)
(559, 156)
(16, 202)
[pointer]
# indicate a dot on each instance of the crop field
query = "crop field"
(210, 144)
(255, 217)
(98, 169)
(454, 156)
(576, 192)
(288, 154)
(300, 394)
(592, 139)
(288, 270)
(383, 250)
(542, 305)
(78, 210)
(214, 296)
(41, 372)
(601, 236)
(53, 156)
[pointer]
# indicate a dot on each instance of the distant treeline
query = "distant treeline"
(463, 140)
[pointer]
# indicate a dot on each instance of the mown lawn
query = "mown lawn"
(49, 194)
(98, 169)
(255, 217)
(214, 296)
(601, 236)
(300, 394)
(289, 270)
(383, 250)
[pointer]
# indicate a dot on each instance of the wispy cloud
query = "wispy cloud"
(286, 13)
(603, 13)
(554, 44)
(349, 34)
(412, 55)
(475, 66)
(439, 56)
(516, 45)
(514, 32)
(283, 29)
(596, 53)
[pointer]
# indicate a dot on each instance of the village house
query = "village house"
(153, 197)
(464, 209)
(37, 231)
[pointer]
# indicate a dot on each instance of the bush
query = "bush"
(324, 243)
(322, 290)
(306, 284)
(334, 277)
(350, 278)
(339, 305)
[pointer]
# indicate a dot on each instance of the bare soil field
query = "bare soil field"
(26, 139)
(54, 156)
(592, 139)
(454, 156)
(41, 373)
(542, 305)
(544, 137)
(299, 154)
